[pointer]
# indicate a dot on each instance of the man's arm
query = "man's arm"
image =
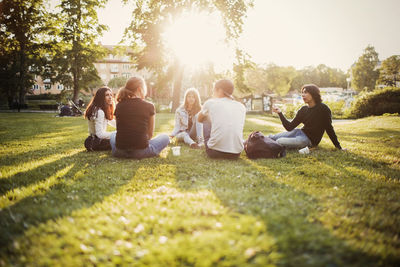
(203, 113)
(151, 126)
(329, 129)
(289, 125)
(201, 117)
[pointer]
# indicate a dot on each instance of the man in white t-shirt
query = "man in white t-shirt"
(223, 121)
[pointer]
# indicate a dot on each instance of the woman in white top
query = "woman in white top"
(100, 113)
(187, 128)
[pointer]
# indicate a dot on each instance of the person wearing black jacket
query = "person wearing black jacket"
(316, 117)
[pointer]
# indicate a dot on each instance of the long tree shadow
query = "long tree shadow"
(82, 186)
(291, 215)
(39, 173)
(39, 124)
(39, 153)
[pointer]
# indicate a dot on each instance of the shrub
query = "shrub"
(378, 102)
(42, 97)
(337, 108)
(290, 110)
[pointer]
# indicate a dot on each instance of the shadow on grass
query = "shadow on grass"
(39, 124)
(37, 154)
(291, 215)
(80, 187)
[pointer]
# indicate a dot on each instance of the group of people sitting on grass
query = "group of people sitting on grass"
(217, 125)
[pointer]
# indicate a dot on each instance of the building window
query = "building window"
(47, 86)
(114, 76)
(126, 75)
(60, 87)
(103, 66)
(35, 87)
(114, 68)
(103, 77)
(126, 67)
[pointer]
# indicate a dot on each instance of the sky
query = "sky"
(301, 33)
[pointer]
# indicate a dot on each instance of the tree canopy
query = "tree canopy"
(21, 49)
(150, 17)
(365, 72)
(389, 73)
(76, 50)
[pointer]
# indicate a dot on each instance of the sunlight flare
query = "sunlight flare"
(196, 39)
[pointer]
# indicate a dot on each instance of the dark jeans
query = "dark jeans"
(215, 154)
(156, 145)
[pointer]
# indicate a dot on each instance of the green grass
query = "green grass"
(63, 206)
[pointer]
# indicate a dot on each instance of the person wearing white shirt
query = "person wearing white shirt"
(223, 121)
(99, 114)
(187, 128)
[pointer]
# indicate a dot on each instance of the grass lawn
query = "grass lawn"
(63, 206)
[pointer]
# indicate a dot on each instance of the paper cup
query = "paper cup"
(305, 150)
(176, 150)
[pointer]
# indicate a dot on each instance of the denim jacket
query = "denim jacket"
(181, 121)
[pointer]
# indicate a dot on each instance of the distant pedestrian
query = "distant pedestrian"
(187, 128)
(223, 121)
(316, 117)
(99, 114)
(135, 123)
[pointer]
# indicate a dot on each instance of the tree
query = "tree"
(148, 18)
(256, 79)
(389, 73)
(322, 76)
(204, 78)
(20, 46)
(239, 68)
(117, 82)
(76, 50)
(279, 79)
(364, 71)
(337, 78)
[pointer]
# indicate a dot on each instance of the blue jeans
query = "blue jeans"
(196, 132)
(156, 145)
(293, 139)
(211, 152)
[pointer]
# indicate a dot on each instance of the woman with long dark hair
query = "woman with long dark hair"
(99, 114)
(135, 123)
(187, 128)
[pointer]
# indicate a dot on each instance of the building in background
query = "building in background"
(112, 66)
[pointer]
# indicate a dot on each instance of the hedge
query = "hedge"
(376, 103)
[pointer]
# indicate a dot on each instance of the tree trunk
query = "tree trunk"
(76, 90)
(21, 81)
(178, 76)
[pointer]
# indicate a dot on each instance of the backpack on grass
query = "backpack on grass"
(93, 143)
(260, 146)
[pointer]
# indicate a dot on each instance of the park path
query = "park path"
(264, 122)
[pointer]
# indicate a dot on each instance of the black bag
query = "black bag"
(260, 146)
(65, 111)
(93, 143)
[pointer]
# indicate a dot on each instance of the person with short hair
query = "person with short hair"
(135, 124)
(316, 117)
(99, 114)
(187, 128)
(223, 121)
